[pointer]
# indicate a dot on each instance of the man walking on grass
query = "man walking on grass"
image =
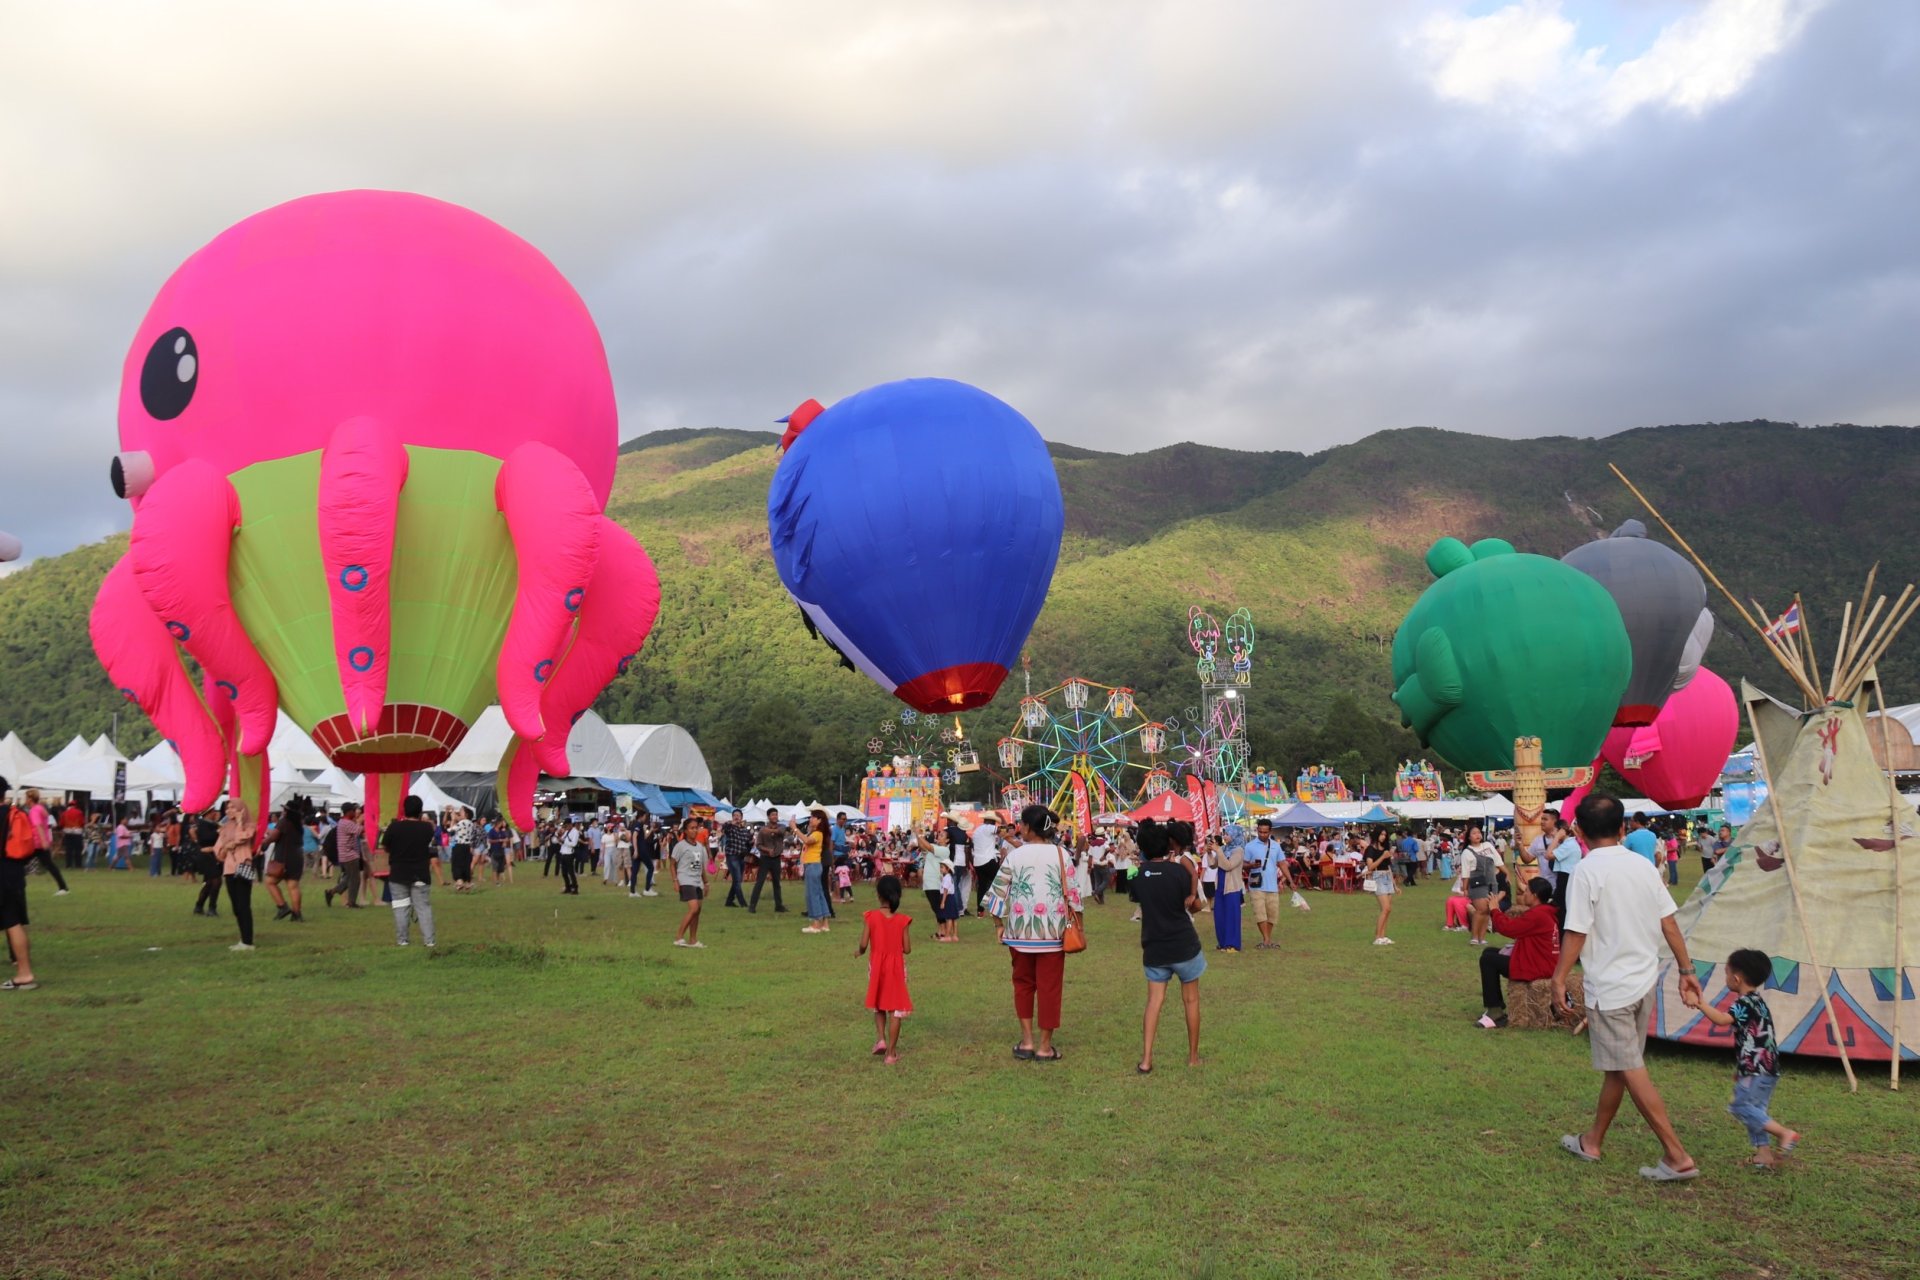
(1617, 912)
(736, 842)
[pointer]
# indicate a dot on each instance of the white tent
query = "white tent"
(291, 746)
(481, 749)
(285, 781)
(663, 754)
(1453, 810)
(165, 761)
(433, 797)
(91, 770)
(593, 751)
(15, 760)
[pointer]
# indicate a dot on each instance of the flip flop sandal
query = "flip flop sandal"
(1663, 1172)
(1025, 1055)
(1143, 1071)
(1571, 1144)
(1755, 1166)
(1786, 1147)
(1048, 1057)
(11, 985)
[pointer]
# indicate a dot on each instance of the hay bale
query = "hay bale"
(1530, 1004)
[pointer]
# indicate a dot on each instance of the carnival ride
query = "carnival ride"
(910, 757)
(1318, 782)
(1083, 748)
(1417, 781)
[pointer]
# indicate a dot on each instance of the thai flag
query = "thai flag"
(1787, 624)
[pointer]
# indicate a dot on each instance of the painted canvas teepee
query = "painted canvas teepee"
(1834, 806)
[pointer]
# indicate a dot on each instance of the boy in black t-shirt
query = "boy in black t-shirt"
(1169, 945)
(1756, 1057)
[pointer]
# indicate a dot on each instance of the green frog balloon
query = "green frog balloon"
(1504, 645)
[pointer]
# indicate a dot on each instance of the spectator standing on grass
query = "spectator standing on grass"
(884, 934)
(288, 861)
(1266, 864)
(985, 862)
(814, 848)
(1480, 866)
(16, 851)
(72, 834)
(206, 838)
(771, 848)
(1756, 1056)
(1229, 888)
(690, 877)
(234, 848)
(1169, 944)
(411, 860)
(1409, 856)
(736, 843)
(1380, 867)
(1641, 840)
(1033, 901)
(570, 859)
(1617, 913)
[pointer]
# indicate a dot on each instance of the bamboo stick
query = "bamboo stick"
(1893, 820)
(1884, 638)
(1812, 693)
(1861, 641)
(1799, 908)
(1789, 648)
(1840, 651)
(1806, 641)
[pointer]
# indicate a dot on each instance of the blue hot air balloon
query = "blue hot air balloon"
(917, 525)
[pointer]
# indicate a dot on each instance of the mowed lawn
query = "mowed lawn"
(559, 1092)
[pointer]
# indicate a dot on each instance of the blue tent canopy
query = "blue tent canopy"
(1303, 815)
(1376, 814)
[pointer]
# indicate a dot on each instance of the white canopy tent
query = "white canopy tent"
(1453, 810)
(435, 800)
(15, 760)
(165, 761)
(92, 770)
(593, 751)
(292, 747)
(663, 754)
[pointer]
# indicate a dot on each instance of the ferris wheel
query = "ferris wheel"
(1083, 748)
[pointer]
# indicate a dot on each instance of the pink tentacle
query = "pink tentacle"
(361, 475)
(519, 771)
(181, 542)
(144, 662)
(555, 523)
(620, 606)
(250, 778)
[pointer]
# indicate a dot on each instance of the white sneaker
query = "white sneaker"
(403, 943)
(632, 894)
(681, 942)
(651, 893)
(61, 893)
(698, 946)
(1383, 942)
(241, 946)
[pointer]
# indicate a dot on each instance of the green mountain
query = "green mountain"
(1324, 549)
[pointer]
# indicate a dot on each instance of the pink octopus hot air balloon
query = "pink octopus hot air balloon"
(368, 438)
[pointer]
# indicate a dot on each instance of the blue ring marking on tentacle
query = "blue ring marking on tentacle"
(179, 631)
(354, 577)
(227, 687)
(574, 597)
(542, 670)
(129, 694)
(624, 664)
(360, 658)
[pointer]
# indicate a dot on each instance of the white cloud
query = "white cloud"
(1527, 61)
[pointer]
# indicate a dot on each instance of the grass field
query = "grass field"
(558, 1092)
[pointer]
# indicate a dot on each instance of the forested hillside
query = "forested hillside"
(1324, 549)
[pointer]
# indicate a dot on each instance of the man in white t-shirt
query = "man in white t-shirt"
(986, 861)
(1617, 912)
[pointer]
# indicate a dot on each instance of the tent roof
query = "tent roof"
(593, 751)
(165, 761)
(1167, 806)
(15, 760)
(1303, 814)
(432, 796)
(663, 754)
(290, 745)
(92, 771)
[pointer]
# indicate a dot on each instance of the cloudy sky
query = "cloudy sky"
(1253, 223)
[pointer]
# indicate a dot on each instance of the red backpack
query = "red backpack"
(20, 840)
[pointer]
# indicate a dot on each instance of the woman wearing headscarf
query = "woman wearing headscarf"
(1032, 903)
(1230, 888)
(234, 849)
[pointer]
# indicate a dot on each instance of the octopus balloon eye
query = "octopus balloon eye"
(170, 374)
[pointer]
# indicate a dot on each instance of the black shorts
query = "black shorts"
(13, 892)
(691, 893)
(462, 863)
(287, 870)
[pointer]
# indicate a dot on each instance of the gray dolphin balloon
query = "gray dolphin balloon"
(1663, 601)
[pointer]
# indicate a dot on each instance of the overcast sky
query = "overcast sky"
(1252, 223)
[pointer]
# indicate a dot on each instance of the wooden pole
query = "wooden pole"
(1882, 641)
(1779, 655)
(1806, 641)
(1840, 652)
(1793, 885)
(1893, 819)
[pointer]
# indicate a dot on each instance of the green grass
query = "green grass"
(558, 1092)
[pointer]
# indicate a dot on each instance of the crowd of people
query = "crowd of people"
(1591, 893)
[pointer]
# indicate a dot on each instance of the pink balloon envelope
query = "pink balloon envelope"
(1675, 761)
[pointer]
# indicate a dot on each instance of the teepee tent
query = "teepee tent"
(1833, 924)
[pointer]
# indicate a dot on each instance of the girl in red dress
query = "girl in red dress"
(885, 933)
